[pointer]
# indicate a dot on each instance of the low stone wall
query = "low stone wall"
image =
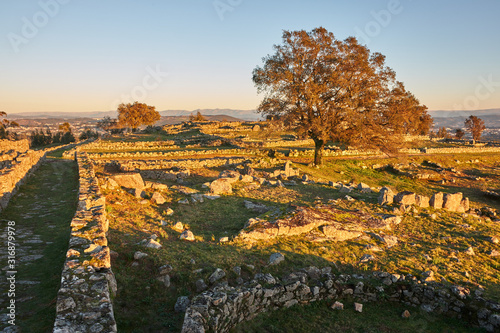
(177, 153)
(15, 173)
(140, 145)
(221, 308)
(136, 165)
(19, 146)
(84, 300)
(462, 150)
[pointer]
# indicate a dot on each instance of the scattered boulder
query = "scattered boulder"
(201, 286)
(139, 255)
(436, 200)
(158, 198)
(169, 211)
(138, 193)
(187, 235)
(390, 241)
(452, 202)
(406, 314)
(386, 196)
(470, 251)
(276, 258)
(182, 304)
(165, 269)
(422, 201)
(405, 198)
(358, 307)
(178, 227)
(230, 176)
(339, 234)
(363, 188)
(221, 186)
(256, 207)
(152, 244)
(165, 279)
(366, 258)
(129, 180)
(256, 128)
(216, 276)
(337, 306)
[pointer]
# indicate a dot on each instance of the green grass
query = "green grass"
(376, 318)
(44, 205)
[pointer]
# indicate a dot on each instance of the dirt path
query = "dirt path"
(39, 217)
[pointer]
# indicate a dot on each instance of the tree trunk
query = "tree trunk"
(319, 145)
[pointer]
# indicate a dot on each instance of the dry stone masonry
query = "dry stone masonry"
(17, 162)
(223, 307)
(87, 282)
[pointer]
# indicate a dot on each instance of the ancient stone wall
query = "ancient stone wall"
(119, 146)
(18, 146)
(87, 282)
(14, 172)
(178, 153)
(220, 309)
(135, 165)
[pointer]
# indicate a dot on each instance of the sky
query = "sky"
(91, 55)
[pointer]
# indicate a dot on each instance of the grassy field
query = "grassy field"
(428, 240)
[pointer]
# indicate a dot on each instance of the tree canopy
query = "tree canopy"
(476, 126)
(137, 114)
(4, 123)
(335, 90)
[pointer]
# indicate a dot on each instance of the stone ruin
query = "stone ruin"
(223, 307)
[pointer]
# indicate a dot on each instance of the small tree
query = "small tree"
(65, 127)
(442, 133)
(335, 90)
(137, 114)
(107, 123)
(198, 117)
(4, 123)
(459, 134)
(476, 126)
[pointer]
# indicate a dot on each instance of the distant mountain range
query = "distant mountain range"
(240, 114)
(446, 118)
(456, 119)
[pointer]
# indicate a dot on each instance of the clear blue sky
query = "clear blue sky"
(89, 55)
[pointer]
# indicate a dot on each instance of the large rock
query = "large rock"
(182, 304)
(158, 198)
(130, 180)
(230, 176)
(422, 201)
(405, 198)
(386, 196)
(452, 202)
(276, 258)
(437, 200)
(221, 186)
(216, 276)
(339, 234)
(187, 235)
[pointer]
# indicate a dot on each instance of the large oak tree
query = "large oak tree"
(137, 114)
(335, 90)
